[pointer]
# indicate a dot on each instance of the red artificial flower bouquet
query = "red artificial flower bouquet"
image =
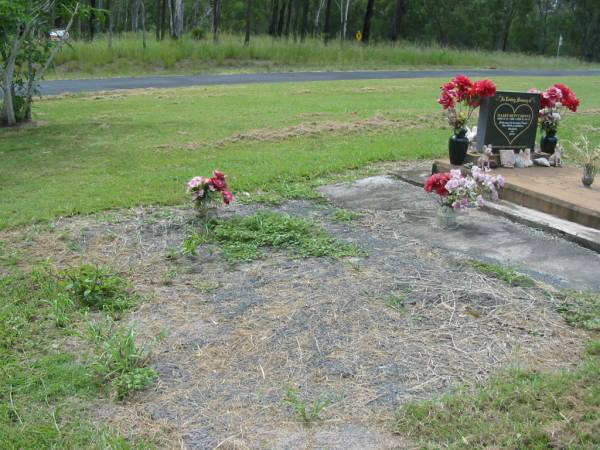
(460, 97)
(204, 190)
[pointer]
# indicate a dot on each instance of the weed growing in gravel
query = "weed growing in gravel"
(504, 273)
(242, 238)
(397, 300)
(119, 360)
(192, 241)
(306, 413)
(207, 286)
(581, 309)
(98, 288)
(344, 216)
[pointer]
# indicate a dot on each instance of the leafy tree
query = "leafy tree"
(26, 52)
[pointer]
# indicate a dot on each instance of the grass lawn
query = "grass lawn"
(95, 152)
(187, 56)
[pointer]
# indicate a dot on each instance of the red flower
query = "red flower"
(218, 181)
(447, 99)
(569, 99)
(227, 197)
(463, 85)
(437, 182)
(483, 88)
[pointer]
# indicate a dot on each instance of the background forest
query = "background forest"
(532, 26)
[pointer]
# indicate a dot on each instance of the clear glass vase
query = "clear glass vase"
(588, 175)
(446, 217)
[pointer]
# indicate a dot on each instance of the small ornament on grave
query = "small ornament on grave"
(484, 160)
(507, 158)
(520, 160)
(556, 157)
(527, 157)
(541, 162)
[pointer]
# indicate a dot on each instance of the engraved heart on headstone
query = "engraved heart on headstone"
(512, 122)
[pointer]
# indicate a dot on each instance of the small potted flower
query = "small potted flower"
(457, 192)
(208, 193)
(554, 101)
(460, 98)
(589, 157)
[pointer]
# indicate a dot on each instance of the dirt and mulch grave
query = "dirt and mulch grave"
(366, 333)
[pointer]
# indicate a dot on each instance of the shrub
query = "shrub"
(198, 34)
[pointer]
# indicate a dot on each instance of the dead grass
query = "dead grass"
(322, 327)
(376, 123)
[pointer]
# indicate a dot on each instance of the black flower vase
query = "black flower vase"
(548, 142)
(458, 145)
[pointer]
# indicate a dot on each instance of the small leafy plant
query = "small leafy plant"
(341, 215)
(307, 413)
(97, 288)
(581, 309)
(119, 360)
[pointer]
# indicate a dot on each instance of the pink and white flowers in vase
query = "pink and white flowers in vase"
(208, 193)
(457, 192)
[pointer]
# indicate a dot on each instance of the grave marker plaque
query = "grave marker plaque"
(508, 121)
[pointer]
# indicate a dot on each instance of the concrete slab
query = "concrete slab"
(480, 235)
(552, 190)
(580, 234)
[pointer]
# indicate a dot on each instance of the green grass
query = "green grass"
(306, 411)
(580, 309)
(505, 273)
(521, 409)
(187, 56)
(90, 153)
(244, 238)
(44, 391)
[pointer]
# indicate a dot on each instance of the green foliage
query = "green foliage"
(198, 33)
(119, 360)
(206, 286)
(504, 273)
(581, 309)
(192, 241)
(306, 412)
(98, 288)
(519, 409)
(242, 238)
(397, 300)
(344, 215)
(93, 58)
(44, 392)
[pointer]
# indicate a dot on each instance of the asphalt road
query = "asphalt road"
(107, 84)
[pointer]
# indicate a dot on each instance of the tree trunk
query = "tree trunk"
(327, 29)
(288, 19)
(281, 18)
(304, 24)
(398, 14)
(163, 18)
(318, 15)
(248, 14)
(273, 22)
(110, 23)
(367, 23)
(143, 17)
(216, 20)
(92, 19)
(177, 30)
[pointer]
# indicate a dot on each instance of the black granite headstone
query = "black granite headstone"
(508, 121)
